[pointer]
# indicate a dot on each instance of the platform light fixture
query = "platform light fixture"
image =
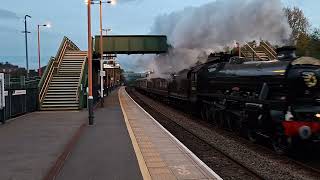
(90, 95)
(100, 2)
(107, 30)
(39, 47)
(26, 32)
(89, 56)
(112, 2)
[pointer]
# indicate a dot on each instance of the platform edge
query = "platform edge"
(180, 143)
(142, 164)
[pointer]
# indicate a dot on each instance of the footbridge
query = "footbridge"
(63, 84)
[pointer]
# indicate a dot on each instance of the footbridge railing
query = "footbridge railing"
(83, 83)
(248, 51)
(268, 49)
(53, 66)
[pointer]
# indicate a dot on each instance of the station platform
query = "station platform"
(160, 154)
(31, 144)
(125, 142)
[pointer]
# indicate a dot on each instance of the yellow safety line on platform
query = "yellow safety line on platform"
(142, 164)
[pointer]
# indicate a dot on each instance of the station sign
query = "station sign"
(102, 73)
(19, 92)
(108, 66)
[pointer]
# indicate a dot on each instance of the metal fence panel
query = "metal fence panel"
(21, 98)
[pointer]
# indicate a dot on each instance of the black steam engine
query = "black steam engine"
(278, 99)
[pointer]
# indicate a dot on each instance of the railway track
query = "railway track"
(199, 146)
(222, 162)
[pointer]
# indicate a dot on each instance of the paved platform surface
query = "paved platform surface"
(104, 151)
(30, 144)
(160, 155)
(125, 143)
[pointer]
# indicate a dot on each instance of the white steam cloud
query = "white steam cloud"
(195, 31)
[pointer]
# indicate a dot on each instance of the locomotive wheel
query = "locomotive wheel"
(252, 135)
(213, 115)
(204, 112)
(233, 122)
(228, 120)
(220, 118)
(208, 113)
(281, 143)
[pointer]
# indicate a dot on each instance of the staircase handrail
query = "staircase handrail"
(61, 52)
(49, 70)
(271, 52)
(82, 83)
(65, 45)
(251, 49)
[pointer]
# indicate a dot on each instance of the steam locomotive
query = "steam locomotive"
(277, 99)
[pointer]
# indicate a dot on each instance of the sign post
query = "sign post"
(2, 97)
(2, 93)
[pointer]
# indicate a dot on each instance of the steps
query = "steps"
(63, 88)
(258, 55)
(263, 52)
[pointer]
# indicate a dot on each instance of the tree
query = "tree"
(297, 21)
(303, 43)
(306, 40)
(315, 35)
(314, 43)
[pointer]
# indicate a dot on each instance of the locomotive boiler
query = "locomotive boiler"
(277, 99)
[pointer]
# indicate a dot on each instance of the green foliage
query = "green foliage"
(314, 44)
(303, 42)
(309, 44)
(297, 21)
(307, 41)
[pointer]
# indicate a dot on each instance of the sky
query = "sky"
(69, 18)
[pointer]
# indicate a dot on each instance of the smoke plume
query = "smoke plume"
(5, 14)
(196, 31)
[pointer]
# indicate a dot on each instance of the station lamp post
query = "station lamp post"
(39, 57)
(107, 30)
(26, 40)
(90, 96)
(101, 46)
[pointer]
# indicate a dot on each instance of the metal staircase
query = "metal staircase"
(262, 52)
(63, 78)
(62, 91)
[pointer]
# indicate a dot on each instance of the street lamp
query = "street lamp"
(101, 46)
(107, 30)
(90, 97)
(26, 40)
(39, 58)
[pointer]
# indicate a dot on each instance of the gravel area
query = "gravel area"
(264, 163)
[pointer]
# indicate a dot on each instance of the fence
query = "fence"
(20, 96)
